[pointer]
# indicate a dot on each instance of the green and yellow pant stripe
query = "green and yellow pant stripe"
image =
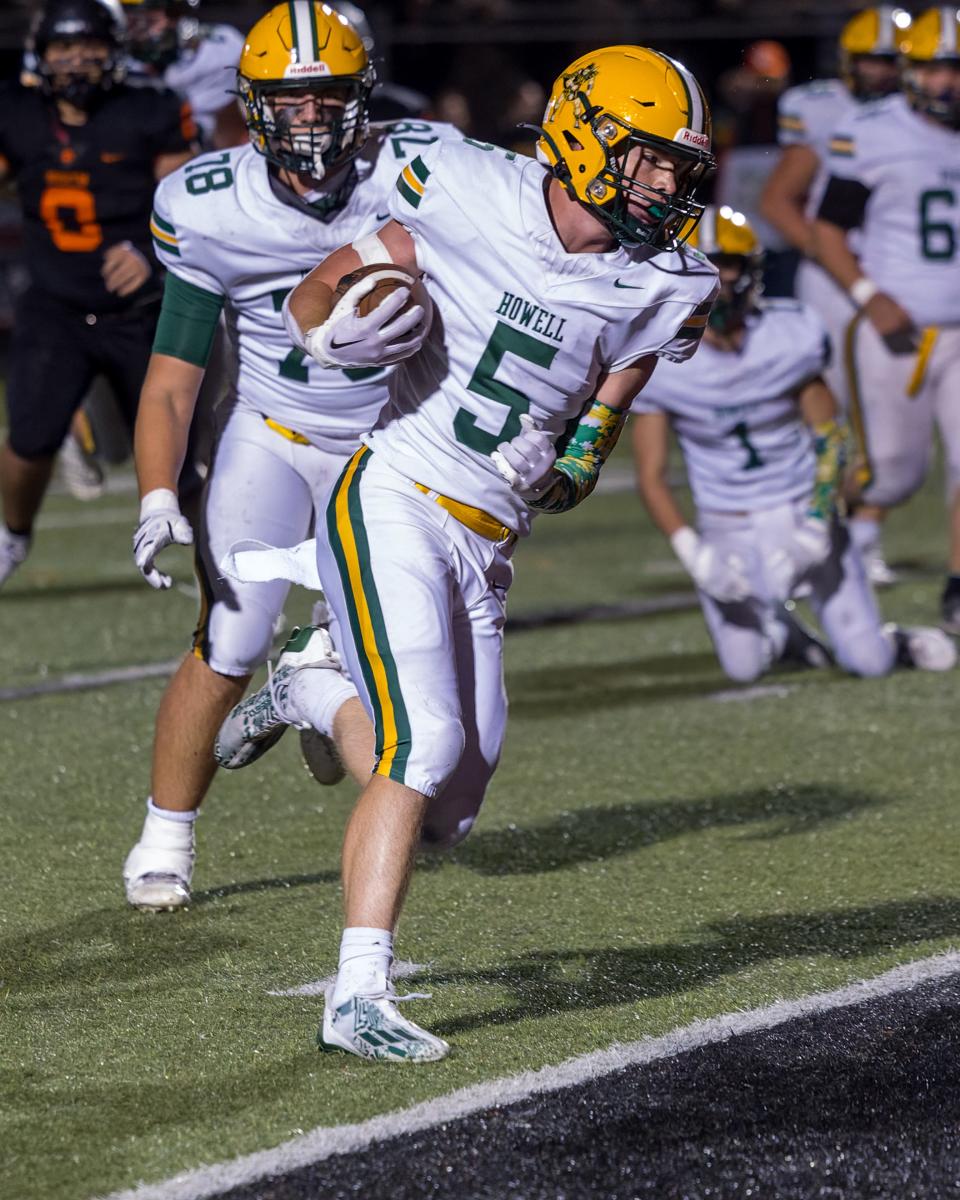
(351, 551)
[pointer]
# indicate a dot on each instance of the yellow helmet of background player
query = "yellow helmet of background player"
(305, 50)
(604, 104)
(933, 38)
(727, 238)
(873, 33)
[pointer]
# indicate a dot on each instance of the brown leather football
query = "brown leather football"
(381, 289)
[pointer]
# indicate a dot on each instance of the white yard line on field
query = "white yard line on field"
(323, 1142)
(85, 681)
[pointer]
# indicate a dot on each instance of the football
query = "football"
(392, 278)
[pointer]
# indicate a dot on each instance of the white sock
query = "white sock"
(365, 958)
(171, 830)
(314, 698)
(865, 533)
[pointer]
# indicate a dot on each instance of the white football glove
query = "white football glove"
(161, 524)
(722, 576)
(526, 461)
(807, 547)
(376, 340)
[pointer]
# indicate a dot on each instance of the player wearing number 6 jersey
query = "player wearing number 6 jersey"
(757, 427)
(556, 288)
(85, 151)
(895, 178)
(236, 230)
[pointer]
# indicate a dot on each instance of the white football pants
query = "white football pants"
(265, 486)
(751, 634)
(421, 601)
(895, 401)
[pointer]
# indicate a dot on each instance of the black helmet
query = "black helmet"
(79, 20)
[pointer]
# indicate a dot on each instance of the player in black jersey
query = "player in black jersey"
(85, 152)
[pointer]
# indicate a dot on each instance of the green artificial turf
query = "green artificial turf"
(647, 856)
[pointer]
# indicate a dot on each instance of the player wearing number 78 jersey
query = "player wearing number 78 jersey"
(556, 287)
(236, 231)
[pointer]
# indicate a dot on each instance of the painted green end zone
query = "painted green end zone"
(648, 856)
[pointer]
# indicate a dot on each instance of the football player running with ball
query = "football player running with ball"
(894, 189)
(236, 230)
(556, 286)
(764, 454)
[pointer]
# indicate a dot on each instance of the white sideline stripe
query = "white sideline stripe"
(401, 969)
(82, 682)
(766, 691)
(323, 1142)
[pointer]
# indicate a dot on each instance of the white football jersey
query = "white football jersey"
(218, 225)
(807, 115)
(205, 73)
(521, 326)
(735, 413)
(910, 234)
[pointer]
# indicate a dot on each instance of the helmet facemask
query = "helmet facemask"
(866, 83)
(738, 294)
(307, 140)
(672, 217)
(943, 106)
(86, 70)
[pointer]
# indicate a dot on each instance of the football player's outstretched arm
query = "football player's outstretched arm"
(819, 410)
(167, 401)
(554, 484)
(650, 458)
(785, 193)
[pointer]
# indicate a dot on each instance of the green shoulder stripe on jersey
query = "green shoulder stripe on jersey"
(188, 321)
(164, 235)
(792, 122)
(413, 179)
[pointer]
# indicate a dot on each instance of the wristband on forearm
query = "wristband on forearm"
(576, 470)
(862, 291)
(830, 448)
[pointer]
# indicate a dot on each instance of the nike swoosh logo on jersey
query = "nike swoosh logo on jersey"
(382, 216)
(634, 287)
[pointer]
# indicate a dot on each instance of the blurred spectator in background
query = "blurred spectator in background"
(85, 150)
(747, 99)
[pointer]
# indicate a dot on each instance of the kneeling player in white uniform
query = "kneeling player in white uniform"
(556, 290)
(236, 231)
(757, 427)
(894, 175)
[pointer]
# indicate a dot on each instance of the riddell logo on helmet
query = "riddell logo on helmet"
(311, 68)
(690, 137)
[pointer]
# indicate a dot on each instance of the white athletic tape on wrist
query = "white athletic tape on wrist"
(371, 249)
(862, 291)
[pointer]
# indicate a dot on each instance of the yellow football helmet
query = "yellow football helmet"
(873, 33)
(604, 104)
(727, 238)
(304, 52)
(933, 38)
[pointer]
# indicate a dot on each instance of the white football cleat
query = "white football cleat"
(923, 647)
(879, 572)
(260, 721)
(157, 877)
(373, 1027)
(14, 548)
(82, 475)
